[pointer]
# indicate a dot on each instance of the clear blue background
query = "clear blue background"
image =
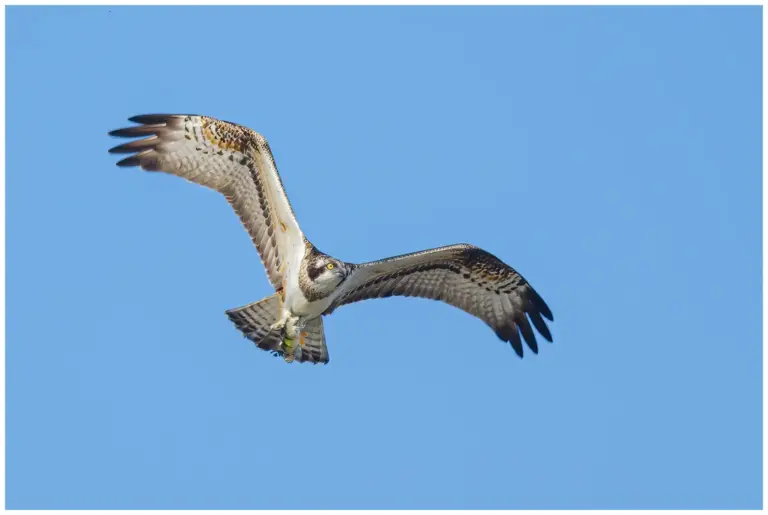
(612, 155)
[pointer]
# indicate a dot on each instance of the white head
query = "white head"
(325, 274)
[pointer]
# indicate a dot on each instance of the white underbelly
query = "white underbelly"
(298, 305)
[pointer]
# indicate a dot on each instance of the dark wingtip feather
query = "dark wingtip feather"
(539, 304)
(135, 146)
(151, 118)
(510, 334)
(127, 132)
(528, 334)
(130, 161)
(540, 325)
(139, 130)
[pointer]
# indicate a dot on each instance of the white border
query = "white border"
(351, 2)
(765, 247)
(390, 2)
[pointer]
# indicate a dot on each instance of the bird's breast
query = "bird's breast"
(298, 304)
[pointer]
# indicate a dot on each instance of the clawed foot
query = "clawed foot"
(290, 335)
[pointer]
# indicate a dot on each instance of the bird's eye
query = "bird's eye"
(330, 266)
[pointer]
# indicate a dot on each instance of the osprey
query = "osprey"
(237, 162)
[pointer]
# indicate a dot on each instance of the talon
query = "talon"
(301, 338)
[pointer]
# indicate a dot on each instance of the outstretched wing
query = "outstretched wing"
(231, 159)
(463, 276)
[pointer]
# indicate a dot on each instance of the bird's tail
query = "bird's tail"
(254, 321)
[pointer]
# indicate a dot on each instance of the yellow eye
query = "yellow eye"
(330, 266)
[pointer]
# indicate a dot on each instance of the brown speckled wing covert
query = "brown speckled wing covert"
(463, 276)
(226, 157)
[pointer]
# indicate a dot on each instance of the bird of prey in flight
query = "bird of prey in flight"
(237, 162)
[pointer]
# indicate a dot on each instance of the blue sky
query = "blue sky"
(611, 155)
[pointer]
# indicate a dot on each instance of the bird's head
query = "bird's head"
(326, 273)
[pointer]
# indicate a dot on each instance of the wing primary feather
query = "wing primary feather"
(539, 303)
(139, 130)
(528, 334)
(509, 333)
(540, 325)
(135, 146)
(134, 160)
(152, 119)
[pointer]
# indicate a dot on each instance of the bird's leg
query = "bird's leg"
(291, 329)
(286, 344)
(280, 324)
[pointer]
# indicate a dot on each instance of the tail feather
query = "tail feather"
(254, 321)
(312, 346)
